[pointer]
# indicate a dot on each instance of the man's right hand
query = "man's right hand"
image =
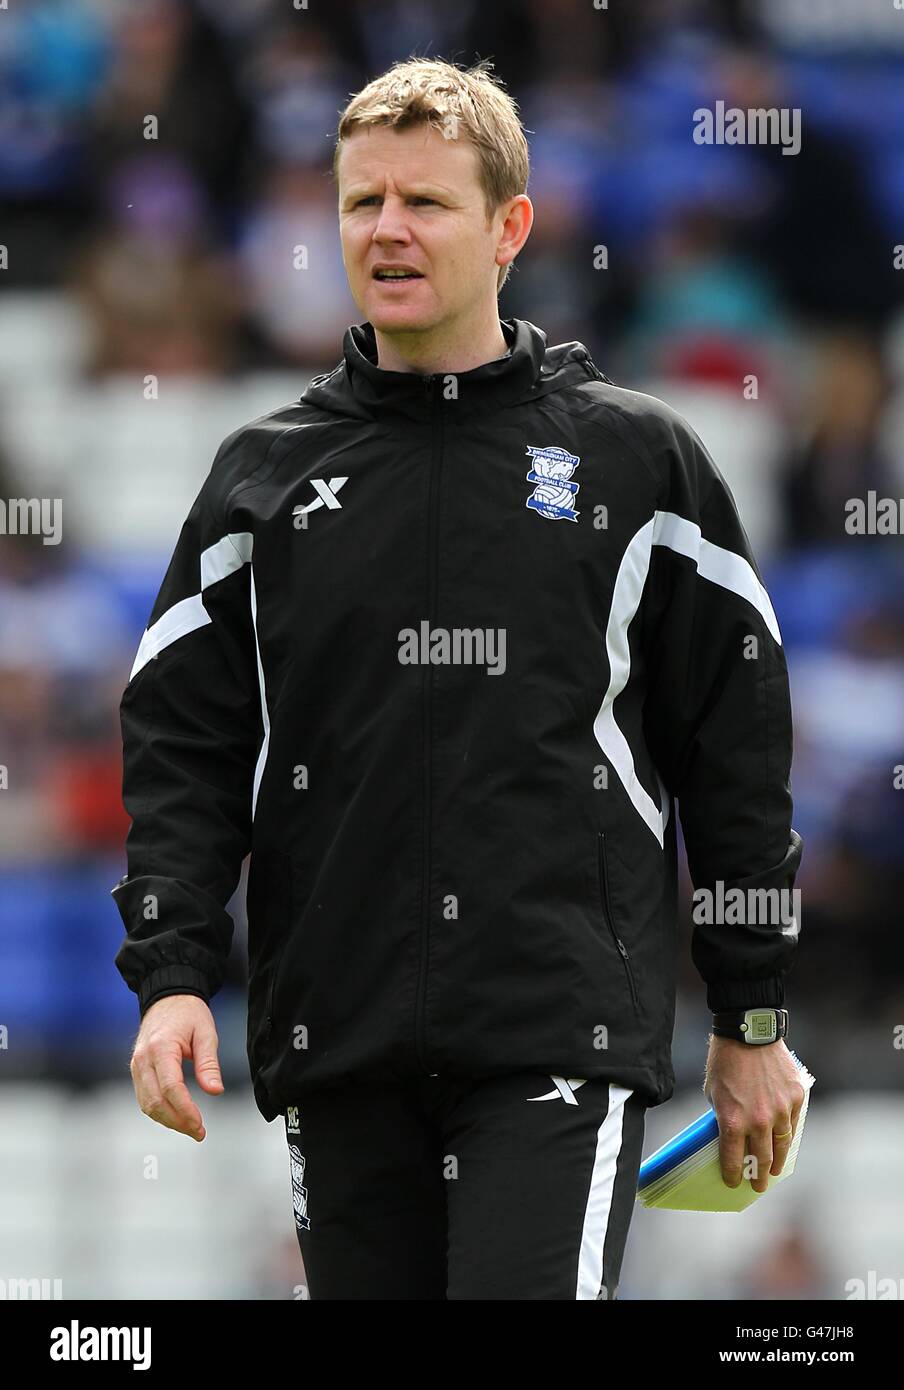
(179, 1026)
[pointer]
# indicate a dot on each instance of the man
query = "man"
(439, 644)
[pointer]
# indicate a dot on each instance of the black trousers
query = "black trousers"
(516, 1187)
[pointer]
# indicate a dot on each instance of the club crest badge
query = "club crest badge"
(554, 494)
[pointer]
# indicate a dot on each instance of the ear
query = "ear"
(517, 220)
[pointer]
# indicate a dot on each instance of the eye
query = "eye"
(372, 197)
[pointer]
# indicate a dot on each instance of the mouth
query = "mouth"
(386, 277)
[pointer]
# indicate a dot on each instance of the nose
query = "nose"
(392, 223)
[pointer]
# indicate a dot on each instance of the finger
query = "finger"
(731, 1153)
(759, 1148)
(147, 1091)
(204, 1058)
(782, 1137)
(162, 1112)
(172, 1090)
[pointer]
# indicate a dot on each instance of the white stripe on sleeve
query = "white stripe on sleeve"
(715, 564)
(216, 562)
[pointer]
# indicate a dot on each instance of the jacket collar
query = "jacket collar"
(488, 387)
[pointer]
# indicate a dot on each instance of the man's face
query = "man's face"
(412, 198)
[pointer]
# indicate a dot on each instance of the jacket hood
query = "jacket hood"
(358, 387)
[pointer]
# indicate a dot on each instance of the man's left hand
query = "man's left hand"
(757, 1097)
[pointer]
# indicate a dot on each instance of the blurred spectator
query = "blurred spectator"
(819, 231)
(841, 455)
(788, 1267)
(171, 92)
(296, 85)
(52, 60)
(158, 307)
(63, 639)
(705, 312)
(558, 286)
(291, 259)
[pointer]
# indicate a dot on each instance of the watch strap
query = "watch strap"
(756, 1026)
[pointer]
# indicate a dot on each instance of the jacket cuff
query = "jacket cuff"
(746, 994)
(171, 979)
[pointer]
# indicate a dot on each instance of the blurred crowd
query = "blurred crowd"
(160, 164)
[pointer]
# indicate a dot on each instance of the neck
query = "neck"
(446, 348)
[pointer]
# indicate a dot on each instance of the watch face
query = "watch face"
(761, 1027)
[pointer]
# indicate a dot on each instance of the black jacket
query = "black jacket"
(447, 707)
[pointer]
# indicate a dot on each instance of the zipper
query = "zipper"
(420, 1024)
(271, 996)
(610, 920)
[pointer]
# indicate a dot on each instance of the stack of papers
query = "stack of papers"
(685, 1174)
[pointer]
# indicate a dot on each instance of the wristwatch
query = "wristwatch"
(757, 1026)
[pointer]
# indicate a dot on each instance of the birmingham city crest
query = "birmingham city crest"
(554, 494)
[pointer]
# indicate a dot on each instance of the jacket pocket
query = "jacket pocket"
(606, 906)
(270, 927)
(271, 993)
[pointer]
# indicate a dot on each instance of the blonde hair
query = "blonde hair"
(469, 102)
